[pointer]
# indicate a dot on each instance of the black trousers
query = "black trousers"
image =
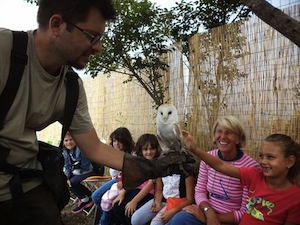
(41, 209)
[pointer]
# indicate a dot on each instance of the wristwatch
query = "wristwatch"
(206, 209)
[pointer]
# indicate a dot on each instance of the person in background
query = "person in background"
(272, 198)
(128, 201)
(220, 199)
(172, 193)
(77, 168)
(120, 140)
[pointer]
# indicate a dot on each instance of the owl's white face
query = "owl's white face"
(167, 114)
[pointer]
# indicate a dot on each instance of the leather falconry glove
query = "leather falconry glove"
(137, 170)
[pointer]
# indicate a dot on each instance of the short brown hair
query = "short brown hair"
(73, 10)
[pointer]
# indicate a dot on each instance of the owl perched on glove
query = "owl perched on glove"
(168, 130)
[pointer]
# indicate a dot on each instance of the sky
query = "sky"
(20, 15)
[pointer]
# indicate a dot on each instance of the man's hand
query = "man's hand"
(136, 169)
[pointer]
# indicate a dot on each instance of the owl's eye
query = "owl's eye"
(161, 113)
(170, 112)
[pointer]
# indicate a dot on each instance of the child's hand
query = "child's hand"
(196, 212)
(119, 185)
(155, 207)
(166, 216)
(69, 183)
(119, 199)
(130, 208)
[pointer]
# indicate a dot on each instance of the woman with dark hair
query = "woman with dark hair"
(121, 140)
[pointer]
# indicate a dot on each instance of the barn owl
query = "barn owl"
(168, 130)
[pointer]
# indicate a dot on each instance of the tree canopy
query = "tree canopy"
(189, 17)
(135, 45)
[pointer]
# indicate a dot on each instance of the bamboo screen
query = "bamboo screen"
(248, 70)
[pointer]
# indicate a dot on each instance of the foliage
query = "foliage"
(135, 45)
(204, 14)
(36, 2)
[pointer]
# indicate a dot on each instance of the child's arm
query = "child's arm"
(131, 206)
(214, 162)
(190, 191)
(120, 197)
(158, 196)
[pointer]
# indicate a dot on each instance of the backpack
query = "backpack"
(49, 156)
(98, 168)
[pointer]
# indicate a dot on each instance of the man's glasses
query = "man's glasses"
(93, 38)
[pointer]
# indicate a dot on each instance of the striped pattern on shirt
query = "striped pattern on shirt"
(223, 193)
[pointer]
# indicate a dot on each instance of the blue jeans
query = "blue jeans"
(143, 215)
(184, 218)
(106, 217)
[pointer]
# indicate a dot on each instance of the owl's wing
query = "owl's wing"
(177, 131)
(164, 144)
(178, 145)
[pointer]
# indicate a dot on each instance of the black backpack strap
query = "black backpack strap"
(17, 65)
(71, 102)
(18, 62)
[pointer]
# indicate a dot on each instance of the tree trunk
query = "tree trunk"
(277, 19)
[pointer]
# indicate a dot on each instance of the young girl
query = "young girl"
(127, 202)
(77, 168)
(121, 140)
(172, 194)
(272, 196)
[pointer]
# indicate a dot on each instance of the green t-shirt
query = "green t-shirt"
(39, 102)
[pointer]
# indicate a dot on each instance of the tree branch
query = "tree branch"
(276, 18)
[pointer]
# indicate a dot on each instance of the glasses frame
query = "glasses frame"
(93, 38)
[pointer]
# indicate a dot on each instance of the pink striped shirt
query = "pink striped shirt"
(224, 194)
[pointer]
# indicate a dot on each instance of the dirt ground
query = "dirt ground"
(76, 219)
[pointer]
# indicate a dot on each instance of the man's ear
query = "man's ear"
(56, 23)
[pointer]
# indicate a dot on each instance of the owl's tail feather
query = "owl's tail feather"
(137, 170)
